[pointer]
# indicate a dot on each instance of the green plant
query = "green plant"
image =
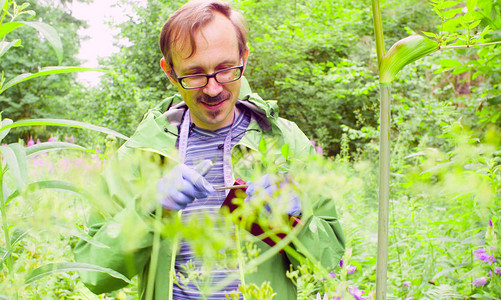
(453, 29)
(14, 173)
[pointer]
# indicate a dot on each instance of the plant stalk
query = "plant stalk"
(5, 224)
(384, 162)
(468, 46)
(154, 255)
(384, 192)
(378, 30)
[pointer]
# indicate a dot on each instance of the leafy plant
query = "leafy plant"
(400, 54)
(14, 173)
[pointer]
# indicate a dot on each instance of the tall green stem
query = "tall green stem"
(384, 163)
(378, 30)
(384, 192)
(5, 224)
(150, 287)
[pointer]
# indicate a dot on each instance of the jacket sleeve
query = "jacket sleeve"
(119, 235)
(112, 246)
(322, 235)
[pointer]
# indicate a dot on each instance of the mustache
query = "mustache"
(224, 95)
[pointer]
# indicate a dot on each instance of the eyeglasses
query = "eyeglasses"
(198, 81)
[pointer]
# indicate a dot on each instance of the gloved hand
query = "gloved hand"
(265, 183)
(183, 184)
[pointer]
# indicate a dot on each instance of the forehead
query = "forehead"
(215, 42)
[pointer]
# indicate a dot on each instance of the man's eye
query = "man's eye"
(223, 68)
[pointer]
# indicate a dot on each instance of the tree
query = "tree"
(40, 97)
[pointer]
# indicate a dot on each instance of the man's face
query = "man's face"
(211, 107)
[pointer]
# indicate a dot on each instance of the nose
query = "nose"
(213, 88)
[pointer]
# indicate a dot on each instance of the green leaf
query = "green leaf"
(16, 160)
(474, 24)
(430, 34)
(447, 4)
(52, 185)
(5, 46)
(449, 63)
(44, 72)
(56, 185)
(262, 146)
(51, 146)
(51, 35)
(402, 53)
(451, 25)
(468, 17)
(285, 151)
(8, 27)
(66, 123)
(449, 270)
(88, 239)
(13, 242)
(461, 70)
(71, 266)
(4, 122)
(471, 4)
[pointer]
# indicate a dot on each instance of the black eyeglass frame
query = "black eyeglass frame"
(208, 76)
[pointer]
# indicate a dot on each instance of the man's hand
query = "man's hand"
(183, 184)
(270, 186)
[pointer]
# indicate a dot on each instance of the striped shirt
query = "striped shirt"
(206, 144)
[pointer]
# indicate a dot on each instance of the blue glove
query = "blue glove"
(183, 184)
(265, 183)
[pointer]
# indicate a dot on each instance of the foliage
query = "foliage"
(136, 82)
(14, 175)
(319, 78)
(39, 97)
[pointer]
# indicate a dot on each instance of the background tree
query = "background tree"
(41, 97)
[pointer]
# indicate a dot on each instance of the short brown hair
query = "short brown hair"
(192, 16)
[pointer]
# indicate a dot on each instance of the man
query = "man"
(217, 128)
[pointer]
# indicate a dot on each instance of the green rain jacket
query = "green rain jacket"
(322, 234)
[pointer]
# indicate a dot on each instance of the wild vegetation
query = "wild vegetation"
(318, 59)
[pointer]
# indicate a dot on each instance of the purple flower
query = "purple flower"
(341, 263)
(52, 139)
(490, 273)
(332, 274)
(477, 253)
(497, 270)
(481, 281)
(490, 224)
(351, 269)
(481, 255)
(490, 259)
(31, 142)
(410, 298)
(406, 283)
(356, 293)
(319, 150)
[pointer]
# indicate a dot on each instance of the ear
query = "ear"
(245, 56)
(168, 71)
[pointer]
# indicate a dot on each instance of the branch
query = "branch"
(468, 46)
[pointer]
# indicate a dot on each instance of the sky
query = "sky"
(100, 35)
